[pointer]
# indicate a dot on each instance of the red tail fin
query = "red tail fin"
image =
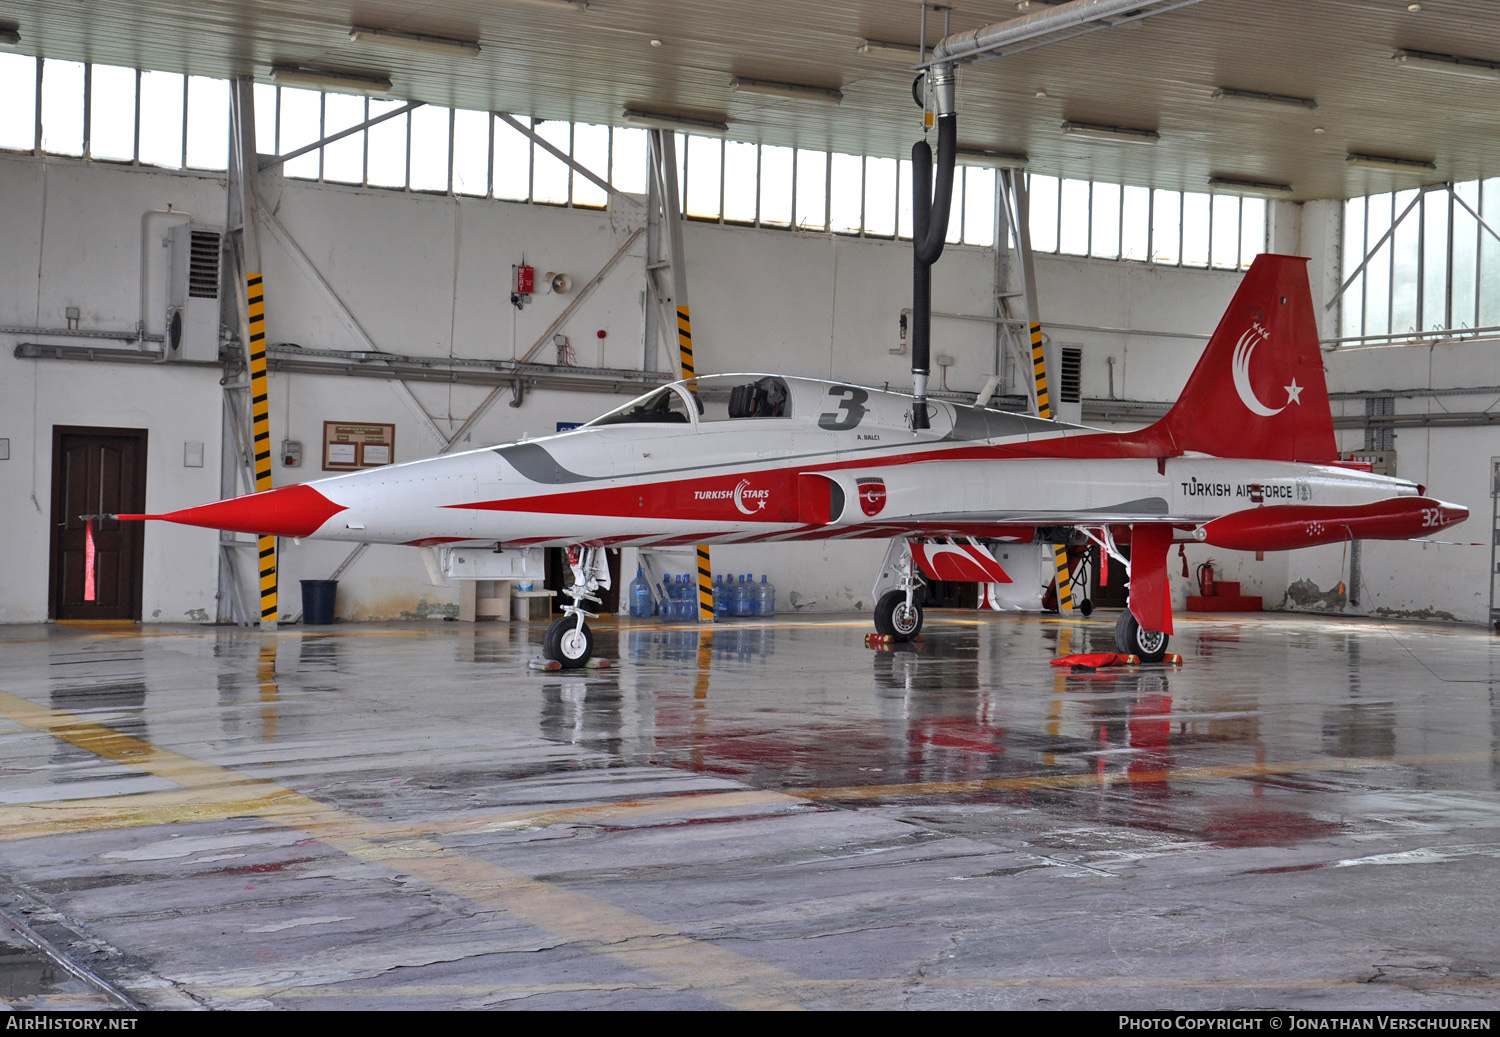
(1258, 390)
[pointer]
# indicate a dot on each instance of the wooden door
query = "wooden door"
(97, 471)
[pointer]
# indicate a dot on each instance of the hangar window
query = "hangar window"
(701, 192)
(18, 113)
(811, 174)
(551, 179)
(775, 186)
(344, 159)
(171, 120)
(265, 119)
(161, 119)
(979, 206)
(385, 159)
(628, 159)
(880, 196)
(207, 132)
(299, 122)
(430, 127)
(845, 193)
(111, 112)
(1421, 263)
(471, 153)
(512, 177)
(62, 107)
(1107, 221)
(591, 150)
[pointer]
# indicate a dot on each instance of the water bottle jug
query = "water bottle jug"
(640, 596)
(666, 598)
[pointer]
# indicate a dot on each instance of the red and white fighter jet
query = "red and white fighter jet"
(1245, 459)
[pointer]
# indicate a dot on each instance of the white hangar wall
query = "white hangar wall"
(430, 275)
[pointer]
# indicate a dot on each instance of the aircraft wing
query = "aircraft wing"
(949, 494)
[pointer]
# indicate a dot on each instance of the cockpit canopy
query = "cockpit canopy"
(711, 398)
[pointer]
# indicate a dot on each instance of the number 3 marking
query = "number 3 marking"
(851, 409)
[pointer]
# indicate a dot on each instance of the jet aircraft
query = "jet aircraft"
(1246, 459)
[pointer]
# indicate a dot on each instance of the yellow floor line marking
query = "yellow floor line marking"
(135, 810)
(1155, 777)
(131, 810)
(638, 942)
(208, 803)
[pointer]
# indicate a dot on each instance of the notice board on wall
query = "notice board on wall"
(351, 445)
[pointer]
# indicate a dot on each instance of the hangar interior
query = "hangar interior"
(388, 169)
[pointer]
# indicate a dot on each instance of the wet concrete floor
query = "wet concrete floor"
(1304, 814)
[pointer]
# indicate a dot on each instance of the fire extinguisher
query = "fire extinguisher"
(1206, 579)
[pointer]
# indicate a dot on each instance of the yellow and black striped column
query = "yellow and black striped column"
(1044, 410)
(1039, 373)
(260, 411)
(705, 564)
(685, 341)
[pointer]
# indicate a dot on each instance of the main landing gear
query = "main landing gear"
(898, 611)
(898, 615)
(1150, 646)
(569, 641)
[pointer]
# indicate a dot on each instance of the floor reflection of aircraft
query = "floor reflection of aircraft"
(1246, 459)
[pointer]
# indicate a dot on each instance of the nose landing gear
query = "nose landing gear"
(569, 641)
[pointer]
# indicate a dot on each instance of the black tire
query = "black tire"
(1086, 607)
(1150, 646)
(567, 644)
(894, 619)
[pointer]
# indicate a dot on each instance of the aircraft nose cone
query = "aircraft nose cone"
(289, 511)
(1453, 513)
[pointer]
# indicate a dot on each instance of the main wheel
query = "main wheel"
(568, 643)
(1149, 645)
(895, 618)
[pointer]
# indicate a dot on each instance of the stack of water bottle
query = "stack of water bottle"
(733, 596)
(742, 596)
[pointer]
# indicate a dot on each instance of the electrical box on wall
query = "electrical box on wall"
(523, 284)
(291, 453)
(192, 325)
(1381, 462)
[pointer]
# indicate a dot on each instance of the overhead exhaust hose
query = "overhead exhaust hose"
(928, 236)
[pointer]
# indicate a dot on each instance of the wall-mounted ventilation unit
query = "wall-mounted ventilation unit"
(1070, 375)
(1065, 364)
(192, 328)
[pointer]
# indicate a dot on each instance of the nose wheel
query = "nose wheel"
(1149, 645)
(568, 642)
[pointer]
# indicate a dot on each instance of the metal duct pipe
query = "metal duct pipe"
(975, 43)
(942, 80)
